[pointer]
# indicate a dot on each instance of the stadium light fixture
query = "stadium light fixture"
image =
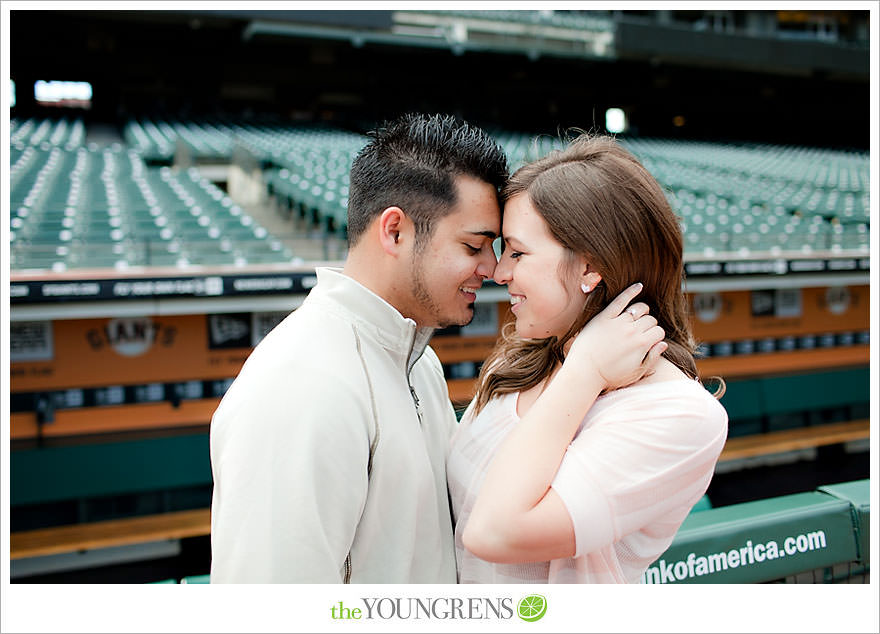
(63, 93)
(615, 120)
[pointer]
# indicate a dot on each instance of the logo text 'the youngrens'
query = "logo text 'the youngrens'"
(440, 608)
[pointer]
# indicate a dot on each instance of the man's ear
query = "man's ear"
(391, 226)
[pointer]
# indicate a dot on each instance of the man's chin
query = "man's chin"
(458, 321)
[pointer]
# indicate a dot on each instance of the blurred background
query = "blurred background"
(176, 176)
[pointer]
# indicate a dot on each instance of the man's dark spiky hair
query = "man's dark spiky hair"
(412, 162)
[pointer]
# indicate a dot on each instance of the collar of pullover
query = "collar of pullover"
(371, 314)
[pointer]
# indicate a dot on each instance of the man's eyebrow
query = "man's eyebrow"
(488, 234)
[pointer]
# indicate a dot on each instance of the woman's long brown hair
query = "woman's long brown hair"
(598, 202)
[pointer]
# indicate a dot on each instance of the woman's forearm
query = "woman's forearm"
(513, 517)
(522, 470)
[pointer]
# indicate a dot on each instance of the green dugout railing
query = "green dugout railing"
(816, 537)
(819, 536)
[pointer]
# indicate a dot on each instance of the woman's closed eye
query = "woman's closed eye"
(505, 247)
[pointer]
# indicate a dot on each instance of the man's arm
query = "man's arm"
(290, 477)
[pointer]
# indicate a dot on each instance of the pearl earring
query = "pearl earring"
(586, 289)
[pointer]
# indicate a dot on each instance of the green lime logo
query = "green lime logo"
(532, 608)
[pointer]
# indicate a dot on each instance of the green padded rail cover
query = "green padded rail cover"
(858, 494)
(759, 541)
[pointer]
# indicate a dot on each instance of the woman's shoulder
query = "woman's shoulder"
(666, 381)
(660, 395)
(501, 408)
(664, 371)
(668, 393)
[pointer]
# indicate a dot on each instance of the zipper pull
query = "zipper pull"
(415, 398)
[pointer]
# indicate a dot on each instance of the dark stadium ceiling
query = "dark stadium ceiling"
(702, 38)
(755, 75)
(751, 40)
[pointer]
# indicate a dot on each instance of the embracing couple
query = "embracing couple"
(336, 452)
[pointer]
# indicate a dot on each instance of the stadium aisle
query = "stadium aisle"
(306, 241)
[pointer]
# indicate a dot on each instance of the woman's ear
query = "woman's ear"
(590, 277)
(390, 227)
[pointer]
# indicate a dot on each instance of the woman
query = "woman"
(577, 460)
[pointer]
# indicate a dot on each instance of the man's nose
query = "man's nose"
(487, 265)
(502, 271)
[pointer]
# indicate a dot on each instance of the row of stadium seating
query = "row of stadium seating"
(61, 132)
(313, 171)
(103, 208)
(76, 205)
(159, 140)
(742, 201)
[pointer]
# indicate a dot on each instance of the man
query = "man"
(328, 450)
